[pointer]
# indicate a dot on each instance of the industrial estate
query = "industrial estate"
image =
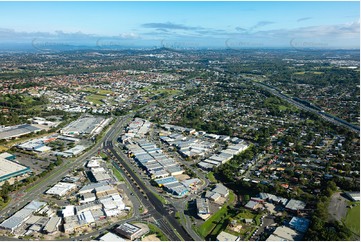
(131, 141)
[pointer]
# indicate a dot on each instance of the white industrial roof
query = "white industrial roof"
(111, 237)
(7, 167)
(61, 188)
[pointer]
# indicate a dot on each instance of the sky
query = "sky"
(182, 24)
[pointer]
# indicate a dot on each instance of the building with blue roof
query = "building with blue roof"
(299, 224)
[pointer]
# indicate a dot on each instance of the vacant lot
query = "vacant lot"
(338, 207)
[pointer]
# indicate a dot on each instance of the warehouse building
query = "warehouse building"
(11, 132)
(91, 187)
(203, 208)
(9, 169)
(52, 225)
(61, 189)
(75, 150)
(100, 174)
(110, 237)
(130, 231)
(7, 156)
(82, 126)
(21, 216)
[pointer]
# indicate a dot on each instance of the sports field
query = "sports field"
(353, 219)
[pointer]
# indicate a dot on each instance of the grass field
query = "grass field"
(95, 98)
(282, 107)
(352, 220)
(211, 177)
(3, 148)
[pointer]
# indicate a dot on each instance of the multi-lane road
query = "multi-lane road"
(163, 215)
(324, 115)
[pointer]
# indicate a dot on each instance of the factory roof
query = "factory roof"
(110, 237)
(17, 130)
(91, 186)
(84, 125)
(10, 169)
(61, 188)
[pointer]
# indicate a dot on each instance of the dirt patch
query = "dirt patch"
(182, 177)
(338, 207)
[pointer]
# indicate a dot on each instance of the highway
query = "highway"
(324, 115)
(163, 218)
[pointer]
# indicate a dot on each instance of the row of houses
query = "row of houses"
(289, 204)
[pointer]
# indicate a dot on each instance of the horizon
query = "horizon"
(215, 25)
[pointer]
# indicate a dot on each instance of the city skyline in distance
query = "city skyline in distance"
(180, 25)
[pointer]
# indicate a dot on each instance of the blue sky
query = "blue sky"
(182, 24)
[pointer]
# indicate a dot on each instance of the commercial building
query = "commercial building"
(105, 190)
(100, 174)
(130, 231)
(284, 233)
(87, 197)
(91, 187)
(224, 236)
(7, 156)
(221, 189)
(52, 225)
(82, 126)
(203, 208)
(61, 189)
(9, 169)
(17, 131)
(110, 237)
(75, 150)
(16, 220)
(68, 211)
